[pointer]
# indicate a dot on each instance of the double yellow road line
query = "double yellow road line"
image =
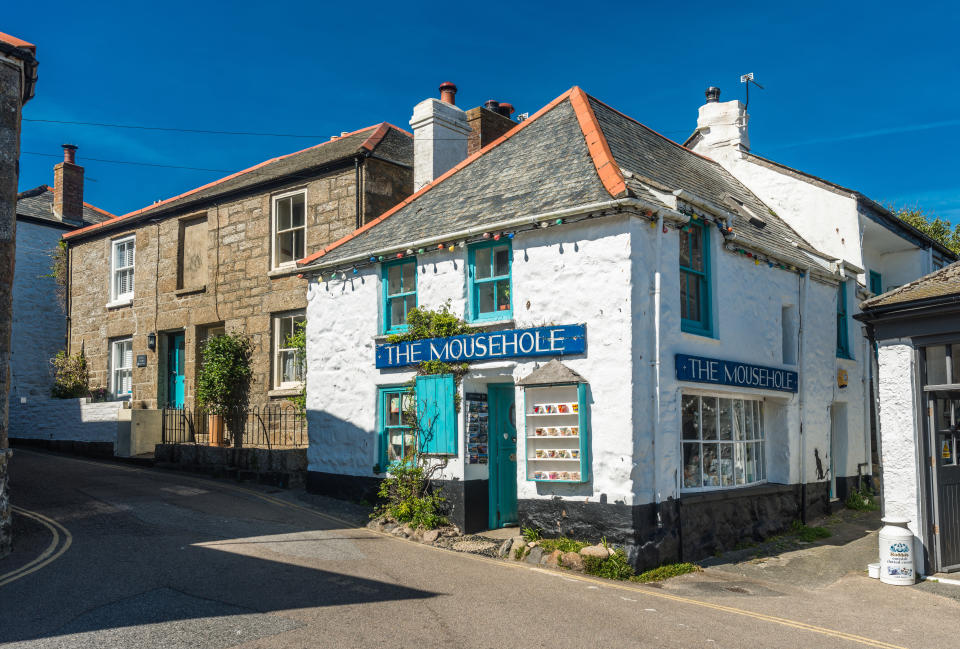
(60, 542)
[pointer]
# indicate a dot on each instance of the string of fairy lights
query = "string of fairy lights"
(451, 245)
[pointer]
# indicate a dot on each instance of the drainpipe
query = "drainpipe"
(800, 388)
(356, 189)
(67, 300)
(656, 366)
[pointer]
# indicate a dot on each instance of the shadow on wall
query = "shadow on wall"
(187, 545)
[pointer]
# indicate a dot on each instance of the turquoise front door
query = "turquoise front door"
(503, 455)
(175, 374)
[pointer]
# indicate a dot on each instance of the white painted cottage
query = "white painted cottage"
(651, 340)
(876, 250)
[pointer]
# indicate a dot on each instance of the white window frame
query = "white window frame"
(123, 298)
(118, 365)
(274, 233)
(763, 439)
(278, 384)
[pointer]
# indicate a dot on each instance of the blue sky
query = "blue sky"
(864, 95)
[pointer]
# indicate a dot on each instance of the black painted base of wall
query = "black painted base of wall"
(84, 449)
(344, 487)
(691, 528)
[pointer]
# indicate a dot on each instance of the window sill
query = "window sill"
(284, 271)
(283, 392)
(493, 325)
(116, 304)
(702, 337)
(846, 360)
(188, 291)
(730, 493)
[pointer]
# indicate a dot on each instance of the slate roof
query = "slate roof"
(941, 283)
(573, 152)
(552, 373)
(382, 140)
(37, 203)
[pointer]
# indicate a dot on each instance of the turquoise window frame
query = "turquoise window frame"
(876, 282)
(704, 325)
(405, 295)
(383, 429)
(843, 338)
(473, 289)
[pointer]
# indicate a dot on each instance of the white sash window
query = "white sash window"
(122, 269)
(121, 363)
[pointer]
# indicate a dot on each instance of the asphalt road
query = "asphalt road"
(143, 558)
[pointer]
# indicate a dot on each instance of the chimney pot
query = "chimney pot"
(492, 104)
(713, 94)
(505, 109)
(69, 153)
(447, 92)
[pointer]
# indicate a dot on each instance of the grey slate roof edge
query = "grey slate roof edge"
(892, 298)
(883, 212)
(224, 187)
(36, 205)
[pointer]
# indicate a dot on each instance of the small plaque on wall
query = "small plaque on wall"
(141, 360)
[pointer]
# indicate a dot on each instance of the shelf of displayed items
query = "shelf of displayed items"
(575, 420)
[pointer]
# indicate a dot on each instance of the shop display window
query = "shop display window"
(723, 442)
(557, 433)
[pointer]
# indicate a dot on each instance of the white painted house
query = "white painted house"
(694, 333)
(867, 243)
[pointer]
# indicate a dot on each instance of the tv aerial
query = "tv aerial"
(748, 79)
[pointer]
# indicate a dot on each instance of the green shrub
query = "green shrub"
(223, 382)
(807, 533)
(408, 498)
(861, 500)
(530, 534)
(425, 323)
(70, 376)
(298, 341)
(563, 544)
(665, 572)
(613, 567)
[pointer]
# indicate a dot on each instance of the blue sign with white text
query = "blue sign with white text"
(743, 375)
(512, 343)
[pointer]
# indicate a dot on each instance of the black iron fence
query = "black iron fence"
(272, 426)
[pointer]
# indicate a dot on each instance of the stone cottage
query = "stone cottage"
(650, 339)
(147, 288)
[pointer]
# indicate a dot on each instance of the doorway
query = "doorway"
(944, 426)
(503, 455)
(175, 370)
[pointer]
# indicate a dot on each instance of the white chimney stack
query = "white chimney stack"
(722, 126)
(440, 132)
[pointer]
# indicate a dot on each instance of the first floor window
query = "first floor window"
(399, 294)
(723, 442)
(695, 279)
(490, 274)
(397, 438)
(289, 228)
(843, 342)
(121, 282)
(121, 364)
(287, 362)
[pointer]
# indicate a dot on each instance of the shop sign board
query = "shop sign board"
(743, 375)
(512, 343)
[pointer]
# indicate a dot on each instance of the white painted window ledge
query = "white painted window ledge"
(116, 304)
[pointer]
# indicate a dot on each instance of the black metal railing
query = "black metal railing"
(271, 426)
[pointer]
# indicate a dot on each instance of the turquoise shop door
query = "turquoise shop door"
(175, 362)
(503, 455)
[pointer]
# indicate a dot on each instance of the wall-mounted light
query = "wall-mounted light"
(151, 341)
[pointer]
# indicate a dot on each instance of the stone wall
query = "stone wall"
(241, 291)
(16, 64)
(64, 419)
(285, 468)
(39, 322)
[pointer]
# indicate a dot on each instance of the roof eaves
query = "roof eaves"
(469, 160)
(898, 223)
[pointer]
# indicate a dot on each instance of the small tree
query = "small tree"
(935, 227)
(70, 376)
(223, 383)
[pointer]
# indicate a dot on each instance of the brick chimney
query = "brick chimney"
(68, 187)
(722, 126)
(440, 131)
(487, 123)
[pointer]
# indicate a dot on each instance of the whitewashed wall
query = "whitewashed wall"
(899, 433)
(39, 323)
(598, 272)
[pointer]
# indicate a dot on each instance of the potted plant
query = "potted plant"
(223, 385)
